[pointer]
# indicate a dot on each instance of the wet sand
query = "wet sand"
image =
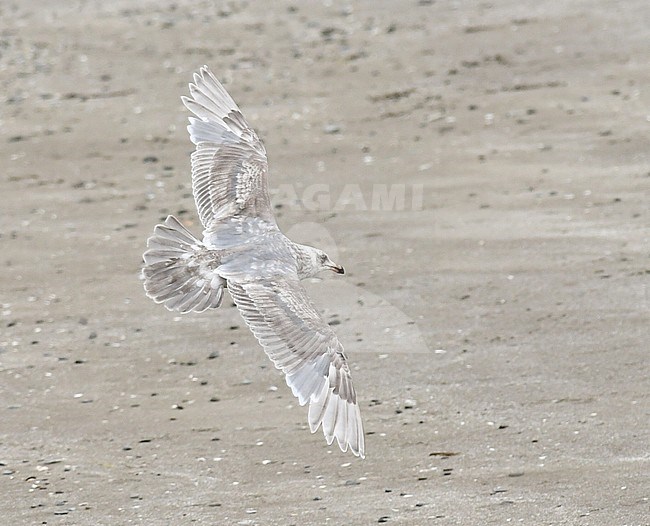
(496, 318)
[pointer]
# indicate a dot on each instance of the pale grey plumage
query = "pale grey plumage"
(244, 250)
(229, 165)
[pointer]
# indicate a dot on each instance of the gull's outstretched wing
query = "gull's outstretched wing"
(229, 165)
(300, 343)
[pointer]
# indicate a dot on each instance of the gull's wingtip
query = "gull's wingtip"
(200, 75)
(339, 419)
(205, 71)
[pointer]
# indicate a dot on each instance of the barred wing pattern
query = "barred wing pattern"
(229, 165)
(300, 343)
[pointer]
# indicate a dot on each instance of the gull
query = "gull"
(244, 251)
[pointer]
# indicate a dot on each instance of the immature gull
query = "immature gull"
(244, 251)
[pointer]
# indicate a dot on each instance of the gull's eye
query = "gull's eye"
(323, 258)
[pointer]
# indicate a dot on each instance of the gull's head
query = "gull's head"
(314, 260)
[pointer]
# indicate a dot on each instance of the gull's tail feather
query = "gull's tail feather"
(180, 271)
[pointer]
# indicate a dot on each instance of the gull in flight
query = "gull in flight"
(244, 251)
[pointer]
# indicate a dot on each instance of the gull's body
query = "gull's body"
(244, 251)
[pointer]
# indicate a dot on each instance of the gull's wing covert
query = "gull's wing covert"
(229, 165)
(302, 345)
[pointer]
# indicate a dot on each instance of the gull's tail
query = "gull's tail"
(180, 271)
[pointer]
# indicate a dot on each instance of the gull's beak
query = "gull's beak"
(338, 269)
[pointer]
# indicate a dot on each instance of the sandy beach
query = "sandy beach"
(480, 169)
